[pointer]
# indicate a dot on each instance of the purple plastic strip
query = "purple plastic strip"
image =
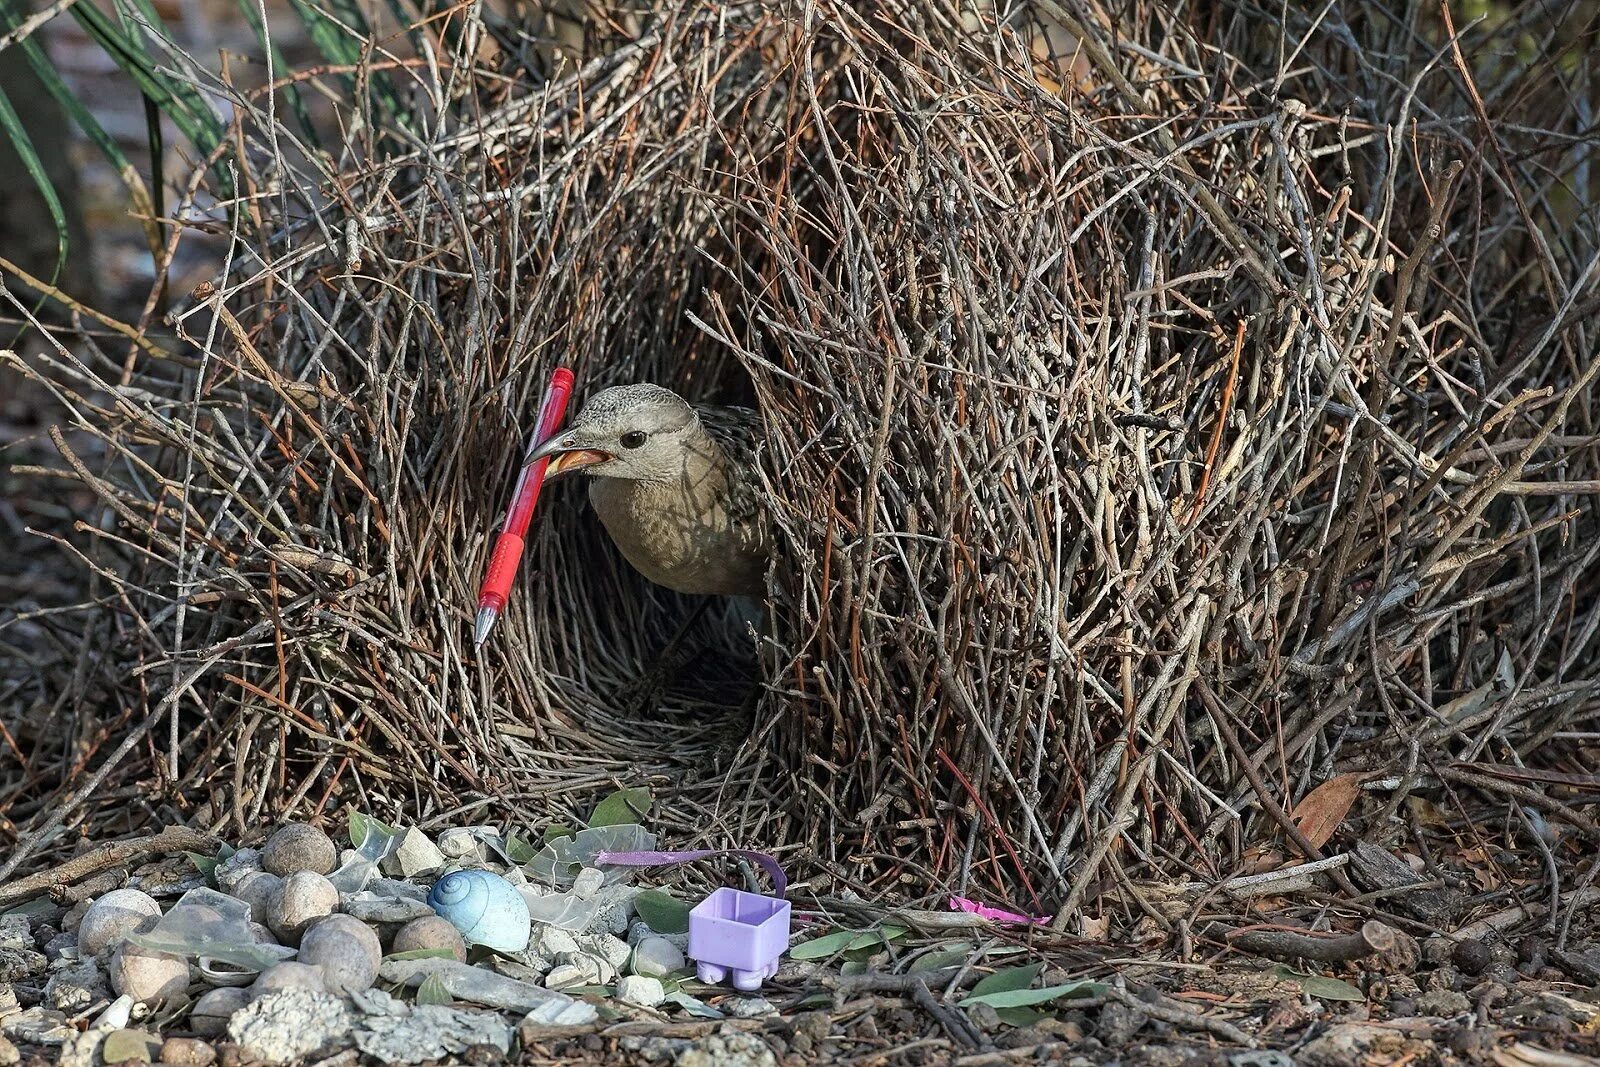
(766, 861)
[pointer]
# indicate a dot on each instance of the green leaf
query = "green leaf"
(1022, 998)
(422, 954)
(694, 1006)
(432, 991)
(1322, 987)
(1022, 1016)
(22, 144)
(622, 807)
(1008, 979)
(845, 941)
(662, 912)
(518, 850)
(943, 957)
(206, 865)
(853, 967)
(555, 833)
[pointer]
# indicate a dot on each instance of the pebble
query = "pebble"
(74, 987)
(256, 889)
(656, 957)
(346, 949)
(300, 900)
(431, 932)
(19, 963)
(728, 1048)
(290, 974)
(588, 884)
(415, 856)
(9, 1056)
(613, 950)
(123, 1045)
(231, 872)
(148, 976)
(15, 932)
(210, 1014)
(114, 916)
(1443, 1002)
(187, 1052)
(566, 974)
(37, 1026)
(1471, 957)
(554, 942)
(296, 847)
(752, 1008)
(641, 991)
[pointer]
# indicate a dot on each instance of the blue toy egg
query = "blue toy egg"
(486, 908)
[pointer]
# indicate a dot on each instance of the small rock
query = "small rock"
(210, 1014)
(1437, 949)
(641, 991)
(301, 899)
(114, 916)
(346, 949)
(62, 946)
(814, 1024)
(148, 977)
(656, 957)
(256, 889)
(370, 907)
(123, 1045)
(566, 974)
(9, 1056)
(432, 932)
(17, 964)
(36, 1026)
(1350, 1043)
(728, 1048)
(15, 931)
(588, 883)
(1470, 957)
(295, 848)
(74, 987)
(752, 1008)
(430, 1032)
(288, 975)
(461, 843)
(986, 1018)
(415, 856)
(232, 872)
(187, 1052)
(612, 949)
(655, 1049)
(1443, 1002)
(1118, 1023)
(284, 1026)
(554, 942)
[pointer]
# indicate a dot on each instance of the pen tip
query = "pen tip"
(482, 626)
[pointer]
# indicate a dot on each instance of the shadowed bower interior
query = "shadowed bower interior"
(1150, 439)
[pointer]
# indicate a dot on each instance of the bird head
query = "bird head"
(635, 432)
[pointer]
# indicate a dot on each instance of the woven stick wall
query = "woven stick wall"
(1155, 430)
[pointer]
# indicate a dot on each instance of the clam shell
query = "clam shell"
(486, 908)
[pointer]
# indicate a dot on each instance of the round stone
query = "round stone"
(148, 977)
(346, 949)
(301, 899)
(297, 847)
(210, 1014)
(433, 932)
(114, 916)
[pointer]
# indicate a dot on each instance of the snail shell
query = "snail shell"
(486, 908)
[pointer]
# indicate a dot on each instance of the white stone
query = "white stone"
(656, 957)
(415, 856)
(641, 991)
(554, 942)
(284, 1026)
(613, 950)
(752, 1008)
(566, 974)
(588, 884)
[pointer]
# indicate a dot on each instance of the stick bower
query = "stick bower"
(1165, 416)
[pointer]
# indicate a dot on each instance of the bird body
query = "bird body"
(674, 486)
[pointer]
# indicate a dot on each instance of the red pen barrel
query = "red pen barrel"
(508, 547)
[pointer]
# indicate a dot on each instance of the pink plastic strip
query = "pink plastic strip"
(999, 915)
(767, 862)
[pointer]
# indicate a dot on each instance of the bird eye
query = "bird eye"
(633, 439)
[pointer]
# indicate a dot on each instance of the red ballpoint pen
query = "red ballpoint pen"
(496, 589)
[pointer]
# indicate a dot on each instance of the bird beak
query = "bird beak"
(565, 455)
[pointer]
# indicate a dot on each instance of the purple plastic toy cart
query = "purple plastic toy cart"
(738, 933)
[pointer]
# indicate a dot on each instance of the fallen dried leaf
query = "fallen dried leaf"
(1320, 811)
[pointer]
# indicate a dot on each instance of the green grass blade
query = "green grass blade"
(11, 124)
